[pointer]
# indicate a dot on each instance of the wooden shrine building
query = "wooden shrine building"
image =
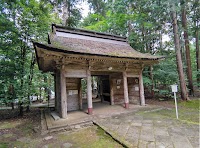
(75, 54)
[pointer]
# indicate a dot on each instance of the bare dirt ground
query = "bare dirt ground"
(22, 132)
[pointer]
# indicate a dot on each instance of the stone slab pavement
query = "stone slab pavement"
(136, 130)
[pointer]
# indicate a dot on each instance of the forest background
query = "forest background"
(168, 28)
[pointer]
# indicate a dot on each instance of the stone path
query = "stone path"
(135, 130)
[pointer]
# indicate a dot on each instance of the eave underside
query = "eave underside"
(49, 60)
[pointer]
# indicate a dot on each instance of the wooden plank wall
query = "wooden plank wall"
(117, 88)
(73, 86)
(133, 90)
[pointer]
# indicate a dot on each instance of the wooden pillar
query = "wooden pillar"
(101, 89)
(80, 96)
(55, 90)
(89, 92)
(63, 93)
(111, 91)
(126, 99)
(141, 86)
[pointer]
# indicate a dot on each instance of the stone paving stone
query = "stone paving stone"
(181, 141)
(122, 129)
(133, 141)
(150, 132)
(163, 141)
(138, 117)
(147, 125)
(133, 132)
(160, 123)
(147, 121)
(191, 132)
(146, 144)
(151, 145)
(136, 124)
(194, 141)
(147, 134)
(163, 145)
(142, 144)
(176, 131)
(161, 131)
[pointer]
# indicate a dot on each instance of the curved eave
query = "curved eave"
(55, 49)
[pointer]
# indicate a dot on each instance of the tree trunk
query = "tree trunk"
(21, 108)
(30, 81)
(65, 12)
(197, 53)
(196, 24)
(152, 80)
(184, 94)
(12, 105)
(187, 48)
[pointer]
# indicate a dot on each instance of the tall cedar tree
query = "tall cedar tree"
(184, 94)
(187, 47)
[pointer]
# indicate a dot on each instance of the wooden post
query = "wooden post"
(63, 93)
(80, 95)
(141, 86)
(101, 90)
(111, 91)
(126, 99)
(55, 89)
(89, 92)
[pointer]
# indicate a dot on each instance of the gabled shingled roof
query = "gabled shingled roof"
(82, 41)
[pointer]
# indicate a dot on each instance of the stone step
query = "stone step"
(55, 116)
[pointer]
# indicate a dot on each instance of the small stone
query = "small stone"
(77, 126)
(67, 145)
(48, 138)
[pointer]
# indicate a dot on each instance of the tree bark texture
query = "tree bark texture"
(65, 13)
(197, 54)
(187, 49)
(196, 24)
(184, 94)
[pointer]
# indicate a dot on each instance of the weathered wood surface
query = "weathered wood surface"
(141, 88)
(133, 90)
(63, 94)
(126, 98)
(89, 92)
(72, 86)
(48, 59)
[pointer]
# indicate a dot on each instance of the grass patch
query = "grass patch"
(90, 137)
(11, 124)
(194, 104)
(187, 110)
(3, 145)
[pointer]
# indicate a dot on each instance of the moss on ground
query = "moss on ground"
(188, 111)
(89, 137)
(83, 138)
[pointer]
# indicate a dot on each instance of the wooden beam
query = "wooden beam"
(75, 73)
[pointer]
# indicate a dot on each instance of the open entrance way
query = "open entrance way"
(100, 90)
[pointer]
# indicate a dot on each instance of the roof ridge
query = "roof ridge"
(88, 32)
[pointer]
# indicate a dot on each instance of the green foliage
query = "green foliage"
(22, 21)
